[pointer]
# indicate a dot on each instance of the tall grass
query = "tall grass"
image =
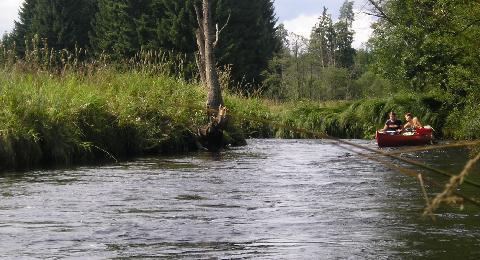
(60, 108)
(49, 119)
(57, 108)
(76, 117)
(360, 119)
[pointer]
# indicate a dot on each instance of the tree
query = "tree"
(177, 24)
(345, 54)
(274, 76)
(206, 46)
(321, 68)
(63, 24)
(249, 41)
(114, 32)
(22, 31)
(322, 40)
(427, 45)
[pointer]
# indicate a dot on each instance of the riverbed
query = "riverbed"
(272, 199)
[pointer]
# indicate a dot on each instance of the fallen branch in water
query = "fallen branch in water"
(447, 196)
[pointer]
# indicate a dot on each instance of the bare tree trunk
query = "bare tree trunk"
(200, 57)
(210, 135)
(205, 42)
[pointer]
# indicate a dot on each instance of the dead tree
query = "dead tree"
(206, 61)
(211, 135)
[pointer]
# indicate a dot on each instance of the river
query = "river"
(272, 199)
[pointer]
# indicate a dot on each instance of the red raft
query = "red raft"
(421, 136)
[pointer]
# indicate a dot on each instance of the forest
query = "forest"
(423, 58)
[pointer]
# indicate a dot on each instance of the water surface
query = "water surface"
(273, 199)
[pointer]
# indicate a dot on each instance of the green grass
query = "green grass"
(61, 120)
(359, 119)
(81, 117)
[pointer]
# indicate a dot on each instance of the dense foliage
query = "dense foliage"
(323, 67)
(249, 40)
(429, 45)
(64, 24)
(122, 29)
(423, 58)
(432, 46)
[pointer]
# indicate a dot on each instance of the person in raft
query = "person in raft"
(393, 125)
(412, 123)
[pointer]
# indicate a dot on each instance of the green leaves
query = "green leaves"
(425, 41)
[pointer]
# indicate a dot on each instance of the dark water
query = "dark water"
(274, 199)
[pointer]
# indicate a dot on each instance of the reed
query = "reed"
(360, 119)
(448, 196)
(60, 120)
(60, 108)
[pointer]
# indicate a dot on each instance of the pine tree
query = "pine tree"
(249, 40)
(176, 27)
(64, 24)
(113, 29)
(322, 40)
(22, 31)
(123, 28)
(345, 54)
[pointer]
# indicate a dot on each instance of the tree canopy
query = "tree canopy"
(64, 24)
(123, 28)
(417, 45)
(429, 45)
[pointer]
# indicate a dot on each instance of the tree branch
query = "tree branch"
(376, 15)
(217, 35)
(467, 27)
(380, 10)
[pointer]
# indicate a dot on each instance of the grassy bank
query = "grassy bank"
(357, 119)
(360, 119)
(109, 115)
(63, 120)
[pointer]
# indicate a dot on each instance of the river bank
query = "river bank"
(70, 119)
(75, 118)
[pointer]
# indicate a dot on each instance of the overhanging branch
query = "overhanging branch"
(381, 12)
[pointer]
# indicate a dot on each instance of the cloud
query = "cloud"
(303, 24)
(9, 14)
(363, 29)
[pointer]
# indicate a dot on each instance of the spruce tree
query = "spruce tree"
(322, 40)
(249, 40)
(113, 29)
(345, 54)
(22, 31)
(176, 27)
(64, 24)
(123, 28)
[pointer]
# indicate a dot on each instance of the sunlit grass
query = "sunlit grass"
(72, 118)
(57, 109)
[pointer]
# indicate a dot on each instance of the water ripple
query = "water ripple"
(273, 199)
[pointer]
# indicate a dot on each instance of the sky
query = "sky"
(298, 16)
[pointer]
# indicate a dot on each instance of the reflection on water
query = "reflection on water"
(272, 199)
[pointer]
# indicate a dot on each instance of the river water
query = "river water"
(272, 199)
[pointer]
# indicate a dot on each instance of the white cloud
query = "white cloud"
(9, 9)
(303, 24)
(362, 27)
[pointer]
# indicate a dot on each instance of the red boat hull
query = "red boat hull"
(421, 137)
